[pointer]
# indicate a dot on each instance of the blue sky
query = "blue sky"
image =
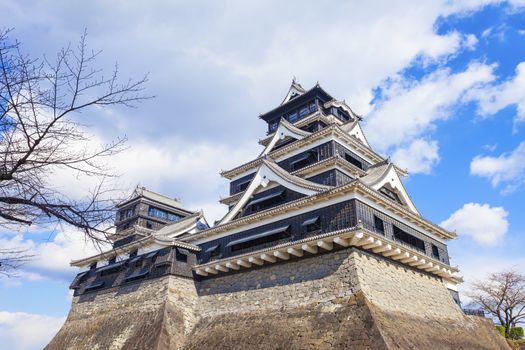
(441, 86)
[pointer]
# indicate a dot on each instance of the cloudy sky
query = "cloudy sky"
(441, 86)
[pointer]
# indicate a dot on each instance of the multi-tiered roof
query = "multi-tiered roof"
(316, 157)
(316, 186)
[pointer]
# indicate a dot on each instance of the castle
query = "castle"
(321, 248)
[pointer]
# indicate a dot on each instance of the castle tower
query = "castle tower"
(322, 247)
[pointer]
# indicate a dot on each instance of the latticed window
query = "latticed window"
(266, 201)
(312, 224)
(408, 239)
(379, 225)
(179, 256)
(126, 213)
(304, 159)
(435, 251)
(159, 213)
(352, 160)
(260, 239)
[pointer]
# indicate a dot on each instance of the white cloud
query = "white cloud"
(191, 167)
(51, 258)
(484, 224)
(184, 54)
(419, 157)
(410, 109)
(198, 60)
(164, 164)
(471, 41)
(507, 169)
(486, 33)
(493, 98)
(24, 331)
(490, 147)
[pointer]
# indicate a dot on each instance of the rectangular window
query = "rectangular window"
(266, 201)
(312, 224)
(215, 252)
(342, 115)
(137, 275)
(244, 185)
(304, 160)
(126, 225)
(435, 252)
(111, 268)
(180, 256)
(353, 161)
(293, 117)
(313, 107)
(173, 217)
(379, 225)
(127, 213)
(79, 279)
(159, 213)
(414, 242)
(260, 239)
(304, 111)
(95, 285)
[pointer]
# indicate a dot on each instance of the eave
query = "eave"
(316, 90)
(329, 164)
(130, 247)
(316, 116)
(284, 130)
(270, 172)
(160, 205)
(181, 226)
(358, 237)
(315, 168)
(344, 106)
(231, 199)
(332, 130)
(353, 187)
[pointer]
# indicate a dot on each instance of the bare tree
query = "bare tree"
(502, 295)
(42, 132)
(12, 259)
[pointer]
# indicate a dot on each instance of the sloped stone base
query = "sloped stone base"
(342, 300)
(145, 316)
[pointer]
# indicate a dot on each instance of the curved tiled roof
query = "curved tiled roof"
(354, 186)
(292, 128)
(299, 181)
(329, 130)
(179, 227)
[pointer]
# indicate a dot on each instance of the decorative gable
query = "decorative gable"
(354, 129)
(385, 179)
(285, 130)
(295, 90)
(268, 173)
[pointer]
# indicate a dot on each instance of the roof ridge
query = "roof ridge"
(316, 86)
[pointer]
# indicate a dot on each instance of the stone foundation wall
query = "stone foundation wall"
(341, 300)
(153, 315)
(290, 285)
